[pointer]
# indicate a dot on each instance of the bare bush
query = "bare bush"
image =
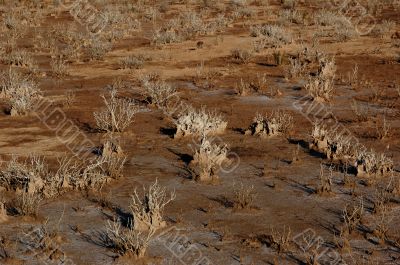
(352, 216)
(21, 92)
(373, 164)
(207, 161)
(132, 62)
(98, 49)
(243, 88)
(281, 240)
(241, 56)
(3, 214)
(27, 204)
(275, 36)
(325, 187)
(127, 241)
(187, 26)
(147, 210)
(158, 92)
(244, 196)
(199, 123)
(279, 122)
(28, 175)
(320, 87)
(19, 58)
(117, 114)
(59, 66)
(382, 128)
(296, 68)
(335, 147)
(291, 16)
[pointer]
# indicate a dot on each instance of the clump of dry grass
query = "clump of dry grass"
(279, 122)
(352, 216)
(20, 91)
(28, 175)
(59, 66)
(117, 114)
(320, 87)
(244, 196)
(335, 147)
(132, 62)
(20, 58)
(281, 241)
(241, 56)
(274, 36)
(373, 164)
(158, 92)
(127, 240)
(3, 213)
(207, 161)
(27, 203)
(97, 49)
(147, 210)
(325, 187)
(33, 177)
(199, 123)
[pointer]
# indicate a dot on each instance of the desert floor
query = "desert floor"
(276, 199)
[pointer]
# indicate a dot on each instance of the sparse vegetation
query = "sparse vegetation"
(127, 241)
(147, 211)
(93, 93)
(207, 161)
(199, 123)
(20, 91)
(277, 123)
(117, 114)
(244, 196)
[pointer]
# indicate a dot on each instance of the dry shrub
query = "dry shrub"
(321, 86)
(20, 91)
(373, 164)
(187, 26)
(243, 88)
(97, 49)
(296, 68)
(325, 187)
(147, 210)
(274, 36)
(158, 91)
(42, 239)
(383, 128)
(117, 114)
(281, 241)
(33, 177)
(132, 62)
(199, 123)
(343, 29)
(127, 240)
(382, 223)
(3, 213)
(27, 203)
(244, 196)
(241, 56)
(19, 58)
(342, 242)
(352, 216)
(59, 66)
(335, 147)
(207, 161)
(279, 122)
(28, 175)
(384, 29)
(290, 16)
